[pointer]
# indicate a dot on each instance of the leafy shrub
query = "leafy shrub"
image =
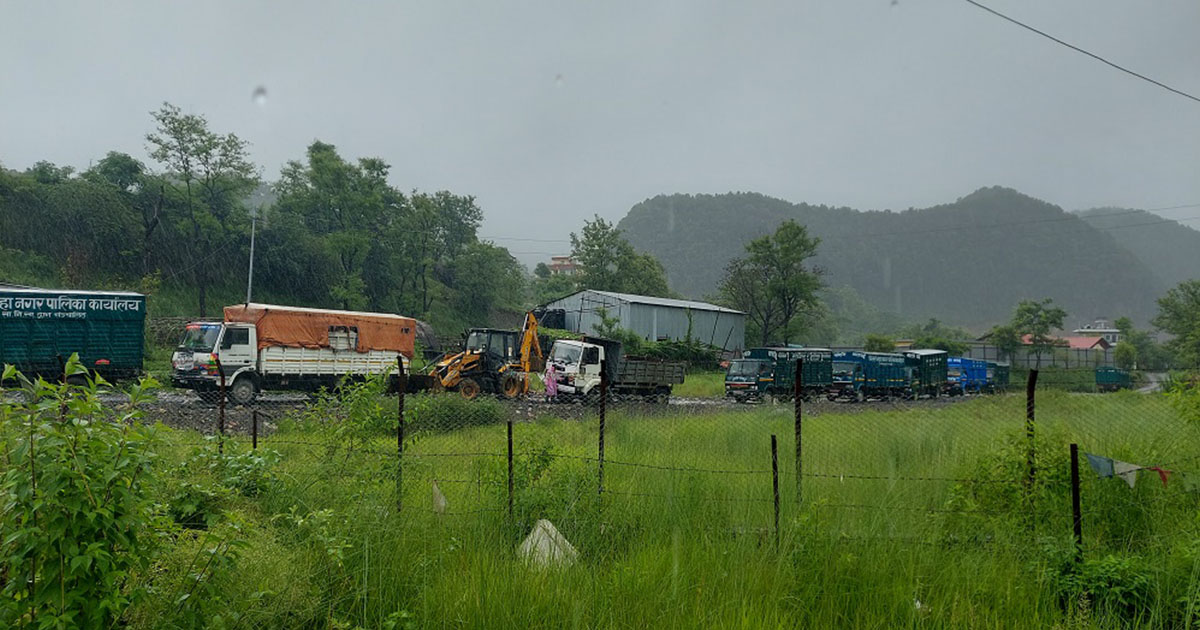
(197, 506)
(249, 472)
(1114, 585)
(354, 409)
(76, 513)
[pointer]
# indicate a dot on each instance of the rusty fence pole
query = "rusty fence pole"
(798, 402)
(1030, 396)
(510, 467)
(220, 406)
(1076, 513)
(775, 484)
(603, 413)
(254, 429)
(401, 386)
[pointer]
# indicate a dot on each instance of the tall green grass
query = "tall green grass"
(910, 517)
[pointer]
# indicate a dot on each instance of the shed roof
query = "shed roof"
(668, 302)
(1074, 343)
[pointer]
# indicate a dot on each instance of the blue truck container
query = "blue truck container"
(965, 376)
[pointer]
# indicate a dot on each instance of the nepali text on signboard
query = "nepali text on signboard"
(67, 306)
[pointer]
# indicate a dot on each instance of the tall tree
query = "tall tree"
(774, 283)
(140, 189)
(609, 263)
(345, 206)
(1037, 319)
(1179, 315)
(212, 174)
(1006, 339)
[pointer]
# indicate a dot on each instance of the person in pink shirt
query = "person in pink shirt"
(551, 380)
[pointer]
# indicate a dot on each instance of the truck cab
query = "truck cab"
(209, 349)
(747, 379)
(578, 366)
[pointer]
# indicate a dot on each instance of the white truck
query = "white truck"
(263, 346)
(578, 365)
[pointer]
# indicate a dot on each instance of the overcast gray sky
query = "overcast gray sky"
(551, 111)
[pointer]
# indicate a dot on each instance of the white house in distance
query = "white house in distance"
(652, 318)
(1100, 328)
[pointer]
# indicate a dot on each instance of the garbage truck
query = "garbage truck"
(267, 346)
(578, 364)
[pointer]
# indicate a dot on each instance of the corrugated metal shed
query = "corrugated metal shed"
(655, 318)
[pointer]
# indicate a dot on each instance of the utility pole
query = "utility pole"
(250, 275)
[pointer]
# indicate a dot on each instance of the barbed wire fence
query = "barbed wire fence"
(984, 470)
(1054, 467)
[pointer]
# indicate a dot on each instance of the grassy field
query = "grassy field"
(910, 517)
(701, 385)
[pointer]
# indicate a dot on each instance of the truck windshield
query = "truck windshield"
(566, 354)
(200, 337)
(747, 367)
(844, 370)
(476, 341)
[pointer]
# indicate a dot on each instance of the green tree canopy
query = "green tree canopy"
(772, 283)
(1038, 319)
(609, 263)
(1179, 315)
(879, 343)
(211, 175)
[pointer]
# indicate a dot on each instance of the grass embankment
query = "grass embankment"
(325, 547)
(701, 385)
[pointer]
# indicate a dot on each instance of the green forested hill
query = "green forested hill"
(967, 262)
(1169, 248)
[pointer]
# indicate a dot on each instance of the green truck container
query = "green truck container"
(1110, 379)
(929, 371)
(41, 328)
(997, 376)
(772, 372)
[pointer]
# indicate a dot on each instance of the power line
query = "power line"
(1080, 50)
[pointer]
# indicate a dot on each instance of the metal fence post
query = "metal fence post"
(798, 401)
(220, 406)
(1076, 514)
(510, 468)
(775, 484)
(603, 413)
(401, 386)
(1030, 390)
(254, 430)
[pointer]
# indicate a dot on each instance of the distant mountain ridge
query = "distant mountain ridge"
(968, 262)
(1171, 249)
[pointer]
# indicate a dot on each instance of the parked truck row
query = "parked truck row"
(856, 375)
(255, 347)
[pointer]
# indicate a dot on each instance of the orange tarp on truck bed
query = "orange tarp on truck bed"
(298, 327)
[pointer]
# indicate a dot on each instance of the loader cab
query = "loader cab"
(501, 346)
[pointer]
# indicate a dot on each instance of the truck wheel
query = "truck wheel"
(243, 391)
(511, 385)
(468, 388)
(859, 396)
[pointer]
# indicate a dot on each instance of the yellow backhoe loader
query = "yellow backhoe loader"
(492, 361)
